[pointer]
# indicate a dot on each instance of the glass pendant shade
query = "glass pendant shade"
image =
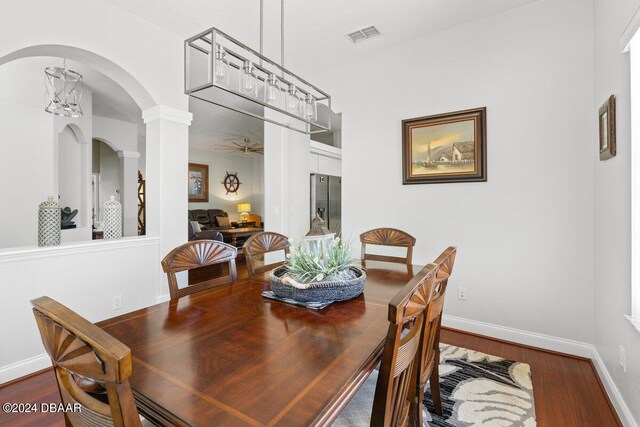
(311, 108)
(221, 66)
(294, 104)
(248, 80)
(273, 94)
(63, 92)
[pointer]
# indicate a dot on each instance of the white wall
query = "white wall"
(286, 179)
(525, 237)
(110, 182)
(71, 153)
(612, 206)
(82, 276)
(122, 137)
(219, 164)
(22, 100)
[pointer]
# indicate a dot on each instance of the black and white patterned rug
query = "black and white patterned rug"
(479, 389)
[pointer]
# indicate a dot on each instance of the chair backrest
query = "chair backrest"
(395, 389)
(197, 254)
(433, 318)
(80, 353)
(387, 237)
(261, 243)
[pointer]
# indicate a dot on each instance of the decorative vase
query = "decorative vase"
(49, 223)
(323, 291)
(112, 219)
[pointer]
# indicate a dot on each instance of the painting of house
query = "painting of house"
(463, 151)
(445, 148)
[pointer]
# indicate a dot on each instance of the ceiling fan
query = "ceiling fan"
(241, 146)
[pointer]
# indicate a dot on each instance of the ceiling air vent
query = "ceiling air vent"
(363, 34)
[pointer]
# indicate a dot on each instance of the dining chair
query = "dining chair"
(391, 402)
(197, 254)
(261, 243)
(387, 237)
(430, 344)
(86, 359)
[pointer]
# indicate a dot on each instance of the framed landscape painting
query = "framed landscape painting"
(198, 183)
(448, 147)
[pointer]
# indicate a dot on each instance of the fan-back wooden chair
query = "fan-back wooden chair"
(197, 254)
(260, 244)
(387, 237)
(393, 402)
(430, 345)
(83, 354)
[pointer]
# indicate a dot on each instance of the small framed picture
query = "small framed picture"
(607, 127)
(198, 183)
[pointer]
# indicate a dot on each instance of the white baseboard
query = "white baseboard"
(162, 298)
(24, 367)
(614, 394)
(519, 336)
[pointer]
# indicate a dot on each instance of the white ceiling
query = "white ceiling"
(315, 29)
(314, 37)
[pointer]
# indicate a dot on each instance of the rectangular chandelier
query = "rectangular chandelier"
(223, 71)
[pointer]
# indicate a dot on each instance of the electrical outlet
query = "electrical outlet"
(622, 359)
(117, 302)
(462, 293)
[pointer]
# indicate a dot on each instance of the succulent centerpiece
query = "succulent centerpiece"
(319, 269)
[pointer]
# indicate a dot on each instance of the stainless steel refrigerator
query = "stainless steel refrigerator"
(326, 200)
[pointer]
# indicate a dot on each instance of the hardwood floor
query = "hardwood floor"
(567, 390)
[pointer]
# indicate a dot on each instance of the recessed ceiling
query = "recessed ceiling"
(315, 30)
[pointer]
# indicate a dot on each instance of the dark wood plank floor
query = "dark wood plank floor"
(566, 389)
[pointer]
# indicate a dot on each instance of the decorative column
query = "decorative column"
(167, 159)
(129, 191)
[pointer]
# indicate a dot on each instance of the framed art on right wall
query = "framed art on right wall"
(607, 128)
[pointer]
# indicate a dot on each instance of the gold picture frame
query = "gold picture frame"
(607, 129)
(198, 183)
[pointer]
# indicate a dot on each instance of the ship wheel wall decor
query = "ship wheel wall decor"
(231, 183)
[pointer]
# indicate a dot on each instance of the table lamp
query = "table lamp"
(244, 209)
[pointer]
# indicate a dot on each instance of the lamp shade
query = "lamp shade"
(244, 207)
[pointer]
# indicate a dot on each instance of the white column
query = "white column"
(129, 196)
(286, 179)
(167, 159)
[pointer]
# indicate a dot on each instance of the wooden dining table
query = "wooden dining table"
(230, 357)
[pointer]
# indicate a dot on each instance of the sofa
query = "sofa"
(203, 235)
(207, 218)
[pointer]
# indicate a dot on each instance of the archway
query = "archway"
(63, 156)
(110, 69)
